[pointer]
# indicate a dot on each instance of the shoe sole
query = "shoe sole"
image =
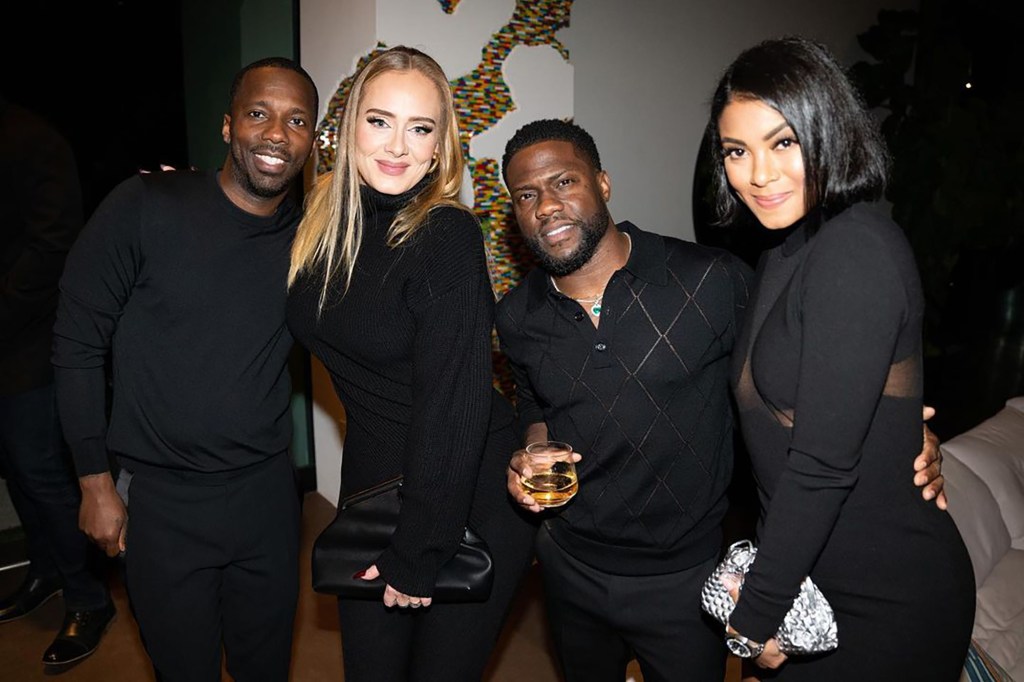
(33, 610)
(88, 653)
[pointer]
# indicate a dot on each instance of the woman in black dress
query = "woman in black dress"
(828, 380)
(389, 289)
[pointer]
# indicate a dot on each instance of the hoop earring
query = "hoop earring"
(433, 165)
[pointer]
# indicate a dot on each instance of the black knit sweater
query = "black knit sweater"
(408, 349)
(185, 292)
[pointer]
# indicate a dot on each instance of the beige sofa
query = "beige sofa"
(984, 470)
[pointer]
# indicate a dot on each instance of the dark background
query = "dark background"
(108, 75)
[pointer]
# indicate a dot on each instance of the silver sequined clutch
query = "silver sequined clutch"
(808, 628)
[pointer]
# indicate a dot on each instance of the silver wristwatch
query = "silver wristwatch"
(742, 647)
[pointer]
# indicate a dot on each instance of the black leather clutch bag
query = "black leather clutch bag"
(361, 531)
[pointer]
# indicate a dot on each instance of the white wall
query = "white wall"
(640, 75)
(333, 35)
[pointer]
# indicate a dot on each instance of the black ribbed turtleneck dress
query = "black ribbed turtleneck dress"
(408, 347)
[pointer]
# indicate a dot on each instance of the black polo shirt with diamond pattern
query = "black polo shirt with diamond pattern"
(644, 398)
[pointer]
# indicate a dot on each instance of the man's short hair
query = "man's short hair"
(276, 63)
(552, 130)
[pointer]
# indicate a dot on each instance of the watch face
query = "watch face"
(739, 647)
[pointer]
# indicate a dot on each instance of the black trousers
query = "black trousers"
(600, 621)
(212, 565)
(41, 481)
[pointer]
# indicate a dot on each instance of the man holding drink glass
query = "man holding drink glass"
(619, 345)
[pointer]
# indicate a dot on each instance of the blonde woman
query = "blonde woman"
(389, 289)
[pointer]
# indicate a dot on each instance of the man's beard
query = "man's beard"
(591, 233)
(274, 188)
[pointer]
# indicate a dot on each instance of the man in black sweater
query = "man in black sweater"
(42, 203)
(619, 344)
(179, 281)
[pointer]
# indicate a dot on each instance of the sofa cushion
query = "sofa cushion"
(1017, 672)
(994, 450)
(1016, 403)
(999, 619)
(977, 516)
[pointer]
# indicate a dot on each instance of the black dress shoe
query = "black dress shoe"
(79, 636)
(32, 594)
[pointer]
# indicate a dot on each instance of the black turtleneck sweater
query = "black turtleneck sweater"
(185, 293)
(408, 347)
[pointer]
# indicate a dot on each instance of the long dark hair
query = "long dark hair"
(845, 160)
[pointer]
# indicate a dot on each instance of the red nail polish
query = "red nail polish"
(359, 574)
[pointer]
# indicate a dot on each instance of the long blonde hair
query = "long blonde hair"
(331, 230)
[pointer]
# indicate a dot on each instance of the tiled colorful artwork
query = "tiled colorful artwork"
(482, 98)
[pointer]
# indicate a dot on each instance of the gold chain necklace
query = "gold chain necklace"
(593, 301)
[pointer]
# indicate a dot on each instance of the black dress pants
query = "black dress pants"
(215, 564)
(40, 479)
(600, 621)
